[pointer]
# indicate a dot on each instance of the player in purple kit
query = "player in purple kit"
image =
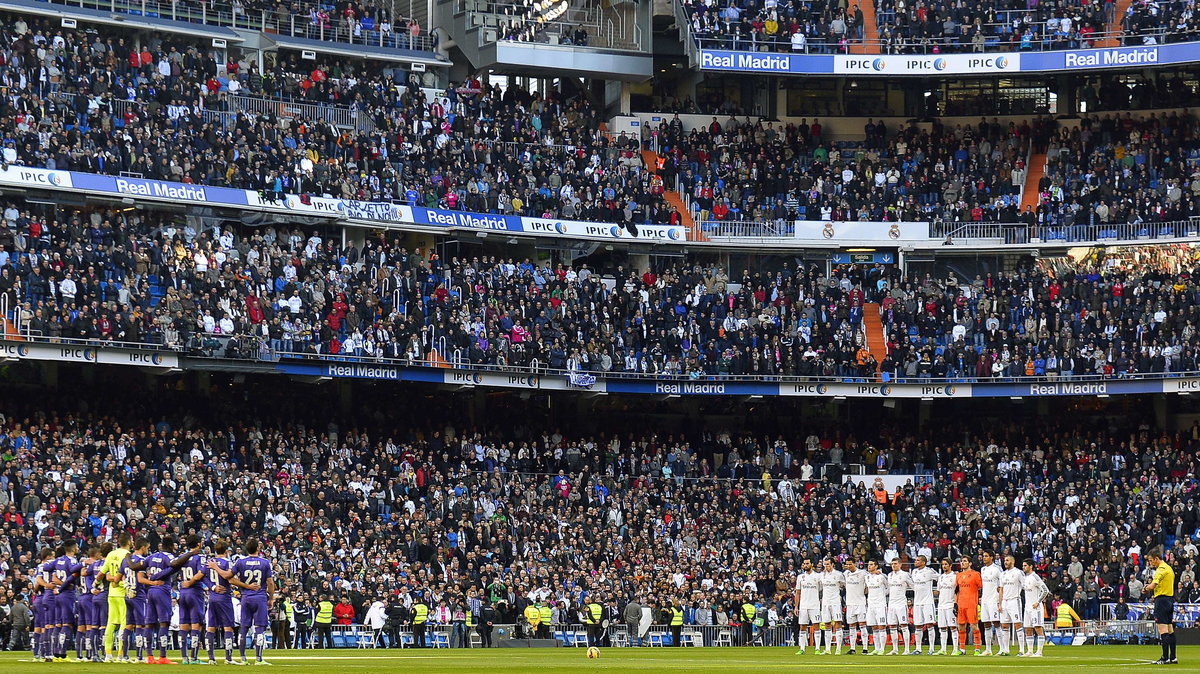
(191, 603)
(66, 580)
(253, 575)
(136, 583)
(93, 605)
(220, 602)
(43, 596)
(159, 568)
(43, 614)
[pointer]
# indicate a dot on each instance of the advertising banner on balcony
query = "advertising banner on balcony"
(996, 63)
(927, 64)
(858, 232)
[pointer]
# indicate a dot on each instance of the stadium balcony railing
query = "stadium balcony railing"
(224, 109)
(815, 45)
(552, 22)
(250, 349)
(227, 14)
(1007, 233)
(1000, 38)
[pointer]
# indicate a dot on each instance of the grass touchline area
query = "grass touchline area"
(655, 660)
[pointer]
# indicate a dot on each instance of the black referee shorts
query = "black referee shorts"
(1164, 610)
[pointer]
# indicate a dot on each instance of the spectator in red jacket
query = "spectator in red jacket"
(343, 613)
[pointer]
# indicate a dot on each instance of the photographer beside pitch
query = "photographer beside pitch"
(1162, 586)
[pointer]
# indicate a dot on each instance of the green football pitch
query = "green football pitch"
(650, 660)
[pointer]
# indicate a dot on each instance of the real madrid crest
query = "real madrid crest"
(894, 230)
(827, 232)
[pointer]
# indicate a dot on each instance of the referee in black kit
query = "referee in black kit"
(1163, 588)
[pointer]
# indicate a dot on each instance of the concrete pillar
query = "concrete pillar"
(345, 398)
(49, 371)
(203, 382)
(1067, 95)
(640, 262)
(924, 412)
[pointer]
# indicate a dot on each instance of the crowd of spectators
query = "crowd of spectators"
(93, 104)
(938, 27)
(143, 277)
(816, 27)
(1118, 169)
(1105, 170)
(772, 172)
(367, 22)
(410, 504)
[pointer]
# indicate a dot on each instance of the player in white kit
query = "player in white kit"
(807, 600)
(899, 583)
(989, 602)
(947, 620)
(1010, 606)
(832, 582)
(923, 578)
(1036, 594)
(876, 606)
(856, 603)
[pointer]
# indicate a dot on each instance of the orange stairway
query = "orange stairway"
(436, 360)
(1114, 27)
(870, 43)
(650, 159)
(873, 326)
(1033, 176)
(9, 330)
(694, 234)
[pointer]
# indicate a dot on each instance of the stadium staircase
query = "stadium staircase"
(1114, 26)
(873, 327)
(1033, 176)
(10, 330)
(870, 43)
(650, 158)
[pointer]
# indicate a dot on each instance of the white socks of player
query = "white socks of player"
(853, 638)
(1021, 640)
(880, 639)
(921, 638)
(837, 640)
(1004, 636)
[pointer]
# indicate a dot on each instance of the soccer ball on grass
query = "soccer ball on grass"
(593, 653)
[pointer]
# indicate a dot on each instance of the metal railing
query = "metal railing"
(203, 346)
(520, 22)
(331, 28)
(998, 37)
(228, 106)
(1013, 233)
(747, 228)
(341, 116)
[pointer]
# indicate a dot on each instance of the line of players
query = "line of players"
(944, 604)
(117, 599)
